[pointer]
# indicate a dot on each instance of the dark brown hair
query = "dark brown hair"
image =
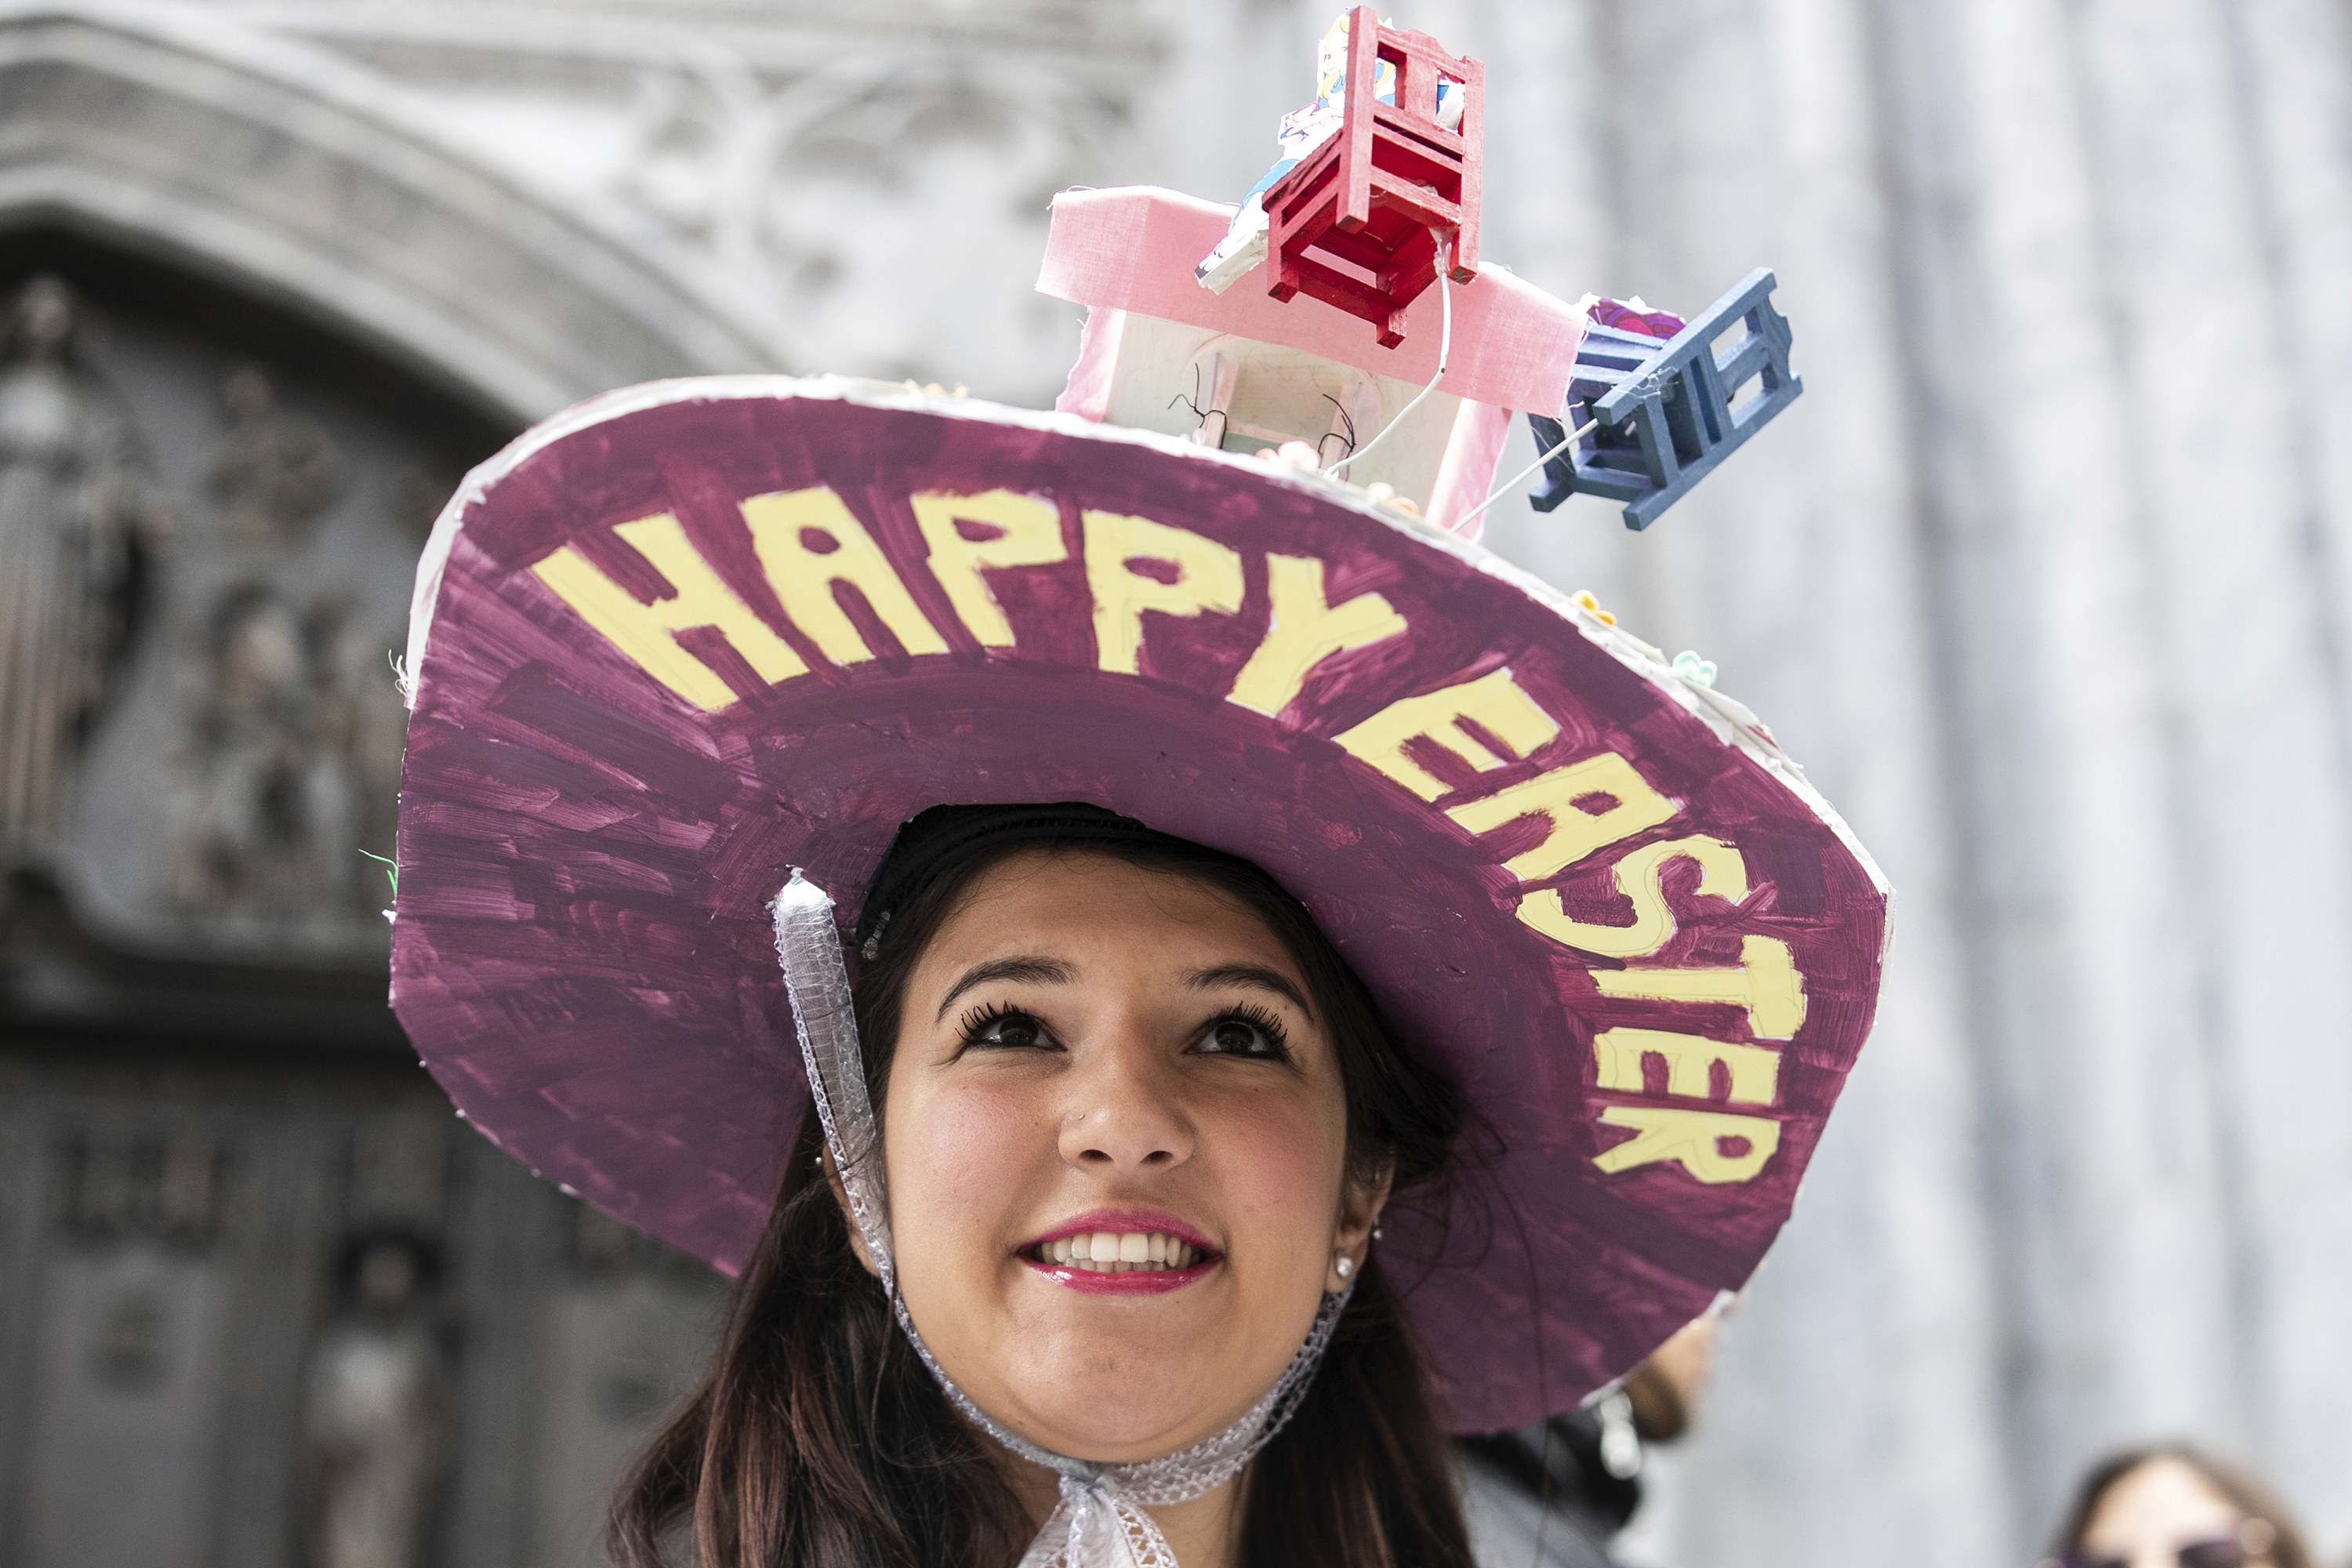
(818, 1440)
(2246, 1494)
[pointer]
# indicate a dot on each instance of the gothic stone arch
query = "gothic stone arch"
(286, 175)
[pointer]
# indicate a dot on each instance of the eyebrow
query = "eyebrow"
(1035, 971)
(1054, 972)
(1248, 974)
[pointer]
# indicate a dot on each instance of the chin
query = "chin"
(1116, 1398)
(1141, 1423)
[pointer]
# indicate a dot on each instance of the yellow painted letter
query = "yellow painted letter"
(1574, 832)
(1031, 536)
(697, 598)
(1641, 876)
(1306, 630)
(1754, 1071)
(808, 541)
(1765, 983)
(1691, 1137)
(1206, 577)
(1494, 702)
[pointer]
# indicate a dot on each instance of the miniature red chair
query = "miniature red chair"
(1358, 224)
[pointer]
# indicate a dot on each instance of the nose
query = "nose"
(1124, 1113)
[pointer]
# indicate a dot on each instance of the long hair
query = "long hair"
(2246, 1494)
(817, 1440)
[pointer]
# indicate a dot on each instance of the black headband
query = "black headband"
(945, 836)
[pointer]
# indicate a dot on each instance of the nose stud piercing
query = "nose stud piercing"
(1344, 1267)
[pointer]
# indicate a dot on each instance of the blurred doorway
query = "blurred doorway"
(264, 1300)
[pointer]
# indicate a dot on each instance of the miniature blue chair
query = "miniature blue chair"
(1665, 409)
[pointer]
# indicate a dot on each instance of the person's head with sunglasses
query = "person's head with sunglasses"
(2171, 1506)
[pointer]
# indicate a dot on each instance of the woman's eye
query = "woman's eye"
(1009, 1031)
(1241, 1037)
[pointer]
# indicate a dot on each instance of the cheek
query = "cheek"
(1278, 1161)
(959, 1158)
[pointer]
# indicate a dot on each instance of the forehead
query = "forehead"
(1081, 898)
(2163, 1497)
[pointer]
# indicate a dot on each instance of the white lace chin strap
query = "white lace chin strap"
(1099, 1521)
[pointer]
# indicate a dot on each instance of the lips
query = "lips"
(1122, 1252)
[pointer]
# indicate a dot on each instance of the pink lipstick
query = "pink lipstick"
(1121, 1252)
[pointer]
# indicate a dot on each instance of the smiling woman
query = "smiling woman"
(1230, 847)
(1138, 1123)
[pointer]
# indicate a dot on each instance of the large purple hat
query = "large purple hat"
(685, 637)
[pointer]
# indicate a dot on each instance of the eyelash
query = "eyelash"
(977, 1023)
(1263, 1020)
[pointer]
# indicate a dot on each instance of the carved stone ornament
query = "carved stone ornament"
(278, 469)
(244, 765)
(268, 799)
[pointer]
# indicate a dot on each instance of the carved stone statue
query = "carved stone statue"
(76, 510)
(266, 818)
(277, 470)
(371, 1418)
(291, 767)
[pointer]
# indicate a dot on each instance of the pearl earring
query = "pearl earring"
(1344, 1267)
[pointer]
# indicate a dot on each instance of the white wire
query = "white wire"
(1512, 483)
(1445, 351)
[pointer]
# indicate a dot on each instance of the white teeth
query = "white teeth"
(1120, 1252)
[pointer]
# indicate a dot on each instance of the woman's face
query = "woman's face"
(1095, 1062)
(2160, 1514)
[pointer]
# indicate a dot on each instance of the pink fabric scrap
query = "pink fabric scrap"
(1087, 393)
(1471, 456)
(1625, 319)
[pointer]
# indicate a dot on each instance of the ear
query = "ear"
(1360, 1203)
(848, 1219)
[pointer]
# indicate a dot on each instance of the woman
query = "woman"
(1135, 1037)
(1231, 847)
(2171, 1506)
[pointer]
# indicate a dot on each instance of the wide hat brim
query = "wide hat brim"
(686, 637)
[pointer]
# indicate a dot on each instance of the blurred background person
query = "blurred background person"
(2171, 1506)
(1555, 1494)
